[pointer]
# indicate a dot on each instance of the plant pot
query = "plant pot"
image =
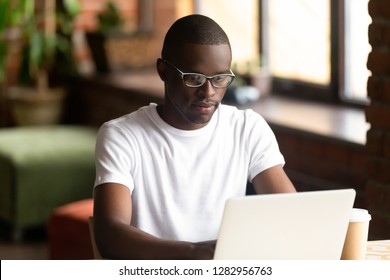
(118, 51)
(260, 79)
(29, 108)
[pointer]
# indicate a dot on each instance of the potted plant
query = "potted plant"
(44, 37)
(252, 82)
(109, 24)
(257, 75)
(117, 44)
(10, 45)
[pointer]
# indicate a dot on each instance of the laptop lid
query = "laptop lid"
(302, 226)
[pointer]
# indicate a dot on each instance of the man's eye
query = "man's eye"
(194, 78)
(219, 78)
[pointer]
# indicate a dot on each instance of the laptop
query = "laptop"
(290, 226)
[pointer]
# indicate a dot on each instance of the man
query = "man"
(165, 171)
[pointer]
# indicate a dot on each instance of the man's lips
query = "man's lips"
(204, 104)
(203, 107)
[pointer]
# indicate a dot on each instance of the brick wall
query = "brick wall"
(378, 115)
(320, 163)
(161, 15)
(87, 21)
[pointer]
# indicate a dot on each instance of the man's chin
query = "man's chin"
(201, 118)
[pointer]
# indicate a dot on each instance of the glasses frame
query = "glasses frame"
(210, 78)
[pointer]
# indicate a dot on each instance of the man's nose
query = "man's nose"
(207, 90)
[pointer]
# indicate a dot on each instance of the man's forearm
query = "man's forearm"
(127, 242)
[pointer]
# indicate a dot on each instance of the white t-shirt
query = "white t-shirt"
(180, 179)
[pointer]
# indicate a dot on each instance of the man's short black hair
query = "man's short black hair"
(193, 29)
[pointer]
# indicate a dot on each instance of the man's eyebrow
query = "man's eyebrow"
(217, 73)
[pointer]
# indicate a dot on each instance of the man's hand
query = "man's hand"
(204, 250)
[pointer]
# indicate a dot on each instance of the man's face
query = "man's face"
(192, 107)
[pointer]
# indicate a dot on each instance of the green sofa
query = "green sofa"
(42, 168)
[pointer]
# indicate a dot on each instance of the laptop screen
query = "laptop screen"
(303, 225)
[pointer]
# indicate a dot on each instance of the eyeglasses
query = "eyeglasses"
(198, 80)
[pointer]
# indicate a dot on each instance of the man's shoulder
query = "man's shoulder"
(133, 118)
(128, 126)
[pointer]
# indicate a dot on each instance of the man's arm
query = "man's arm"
(116, 239)
(273, 180)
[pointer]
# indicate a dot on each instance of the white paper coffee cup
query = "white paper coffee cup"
(355, 245)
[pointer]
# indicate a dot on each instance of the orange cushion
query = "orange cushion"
(68, 231)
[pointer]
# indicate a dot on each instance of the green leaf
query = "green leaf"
(4, 15)
(72, 7)
(21, 12)
(50, 46)
(63, 44)
(36, 48)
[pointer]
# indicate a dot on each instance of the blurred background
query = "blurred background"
(317, 70)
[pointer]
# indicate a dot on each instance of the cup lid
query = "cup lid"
(359, 215)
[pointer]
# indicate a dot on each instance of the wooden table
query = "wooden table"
(378, 250)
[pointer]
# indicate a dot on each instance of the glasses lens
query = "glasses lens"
(194, 80)
(222, 80)
(197, 80)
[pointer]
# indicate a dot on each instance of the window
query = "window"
(298, 41)
(317, 49)
(240, 21)
(356, 49)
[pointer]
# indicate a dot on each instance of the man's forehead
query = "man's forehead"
(185, 50)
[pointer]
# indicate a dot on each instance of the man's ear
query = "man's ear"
(161, 69)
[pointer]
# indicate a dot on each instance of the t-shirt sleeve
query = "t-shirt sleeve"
(262, 145)
(113, 157)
